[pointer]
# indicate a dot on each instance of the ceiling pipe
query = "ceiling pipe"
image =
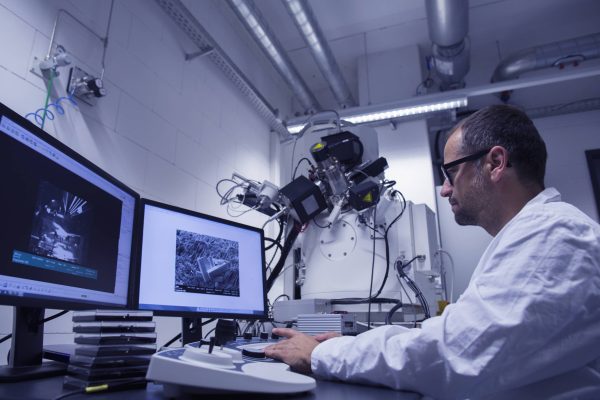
(305, 21)
(556, 54)
(567, 108)
(255, 24)
(188, 23)
(448, 24)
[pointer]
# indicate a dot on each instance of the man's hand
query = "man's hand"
(321, 337)
(296, 349)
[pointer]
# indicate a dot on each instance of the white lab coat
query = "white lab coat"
(527, 326)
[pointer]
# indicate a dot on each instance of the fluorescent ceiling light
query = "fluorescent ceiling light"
(358, 117)
(293, 129)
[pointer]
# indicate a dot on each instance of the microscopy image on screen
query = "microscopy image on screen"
(61, 225)
(206, 264)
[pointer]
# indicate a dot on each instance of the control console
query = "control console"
(238, 367)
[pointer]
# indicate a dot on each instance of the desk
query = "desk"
(49, 388)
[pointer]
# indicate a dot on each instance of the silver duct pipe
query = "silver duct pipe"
(258, 28)
(448, 23)
(568, 108)
(305, 21)
(549, 55)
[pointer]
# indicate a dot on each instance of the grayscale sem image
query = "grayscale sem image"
(206, 264)
(61, 225)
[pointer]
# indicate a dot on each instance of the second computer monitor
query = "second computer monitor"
(193, 264)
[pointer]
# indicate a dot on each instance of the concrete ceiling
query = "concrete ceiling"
(497, 28)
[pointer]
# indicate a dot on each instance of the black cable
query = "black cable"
(280, 296)
(374, 229)
(287, 247)
(409, 299)
(50, 318)
(131, 384)
(170, 342)
(413, 286)
(298, 164)
(387, 244)
(209, 332)
(387, 257)
(406, 264)
(273, 256)
(178, 336)
(248, 326)
(390, 314)
(222, 196)
(322, 227)
(372, 272)
(356, 300)
(419, 295)
(277, 240)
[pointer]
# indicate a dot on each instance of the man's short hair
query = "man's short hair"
(511, 128)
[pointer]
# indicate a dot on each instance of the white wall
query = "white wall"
(567, 137)
(167, 128)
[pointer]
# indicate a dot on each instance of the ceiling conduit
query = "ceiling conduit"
(306, 23)
(555, 54)
(448, 24)
(186, 21)
(260, 31)
(567, 108)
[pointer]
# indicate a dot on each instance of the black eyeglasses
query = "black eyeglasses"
(454, 163)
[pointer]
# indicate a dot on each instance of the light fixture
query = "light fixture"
(361, 115)
(446, 101)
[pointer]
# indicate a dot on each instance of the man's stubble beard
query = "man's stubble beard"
(473, 202)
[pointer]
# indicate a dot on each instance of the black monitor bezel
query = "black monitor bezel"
(195, 314)
(48, 302)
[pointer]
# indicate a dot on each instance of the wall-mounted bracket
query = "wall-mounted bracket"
(85, 86)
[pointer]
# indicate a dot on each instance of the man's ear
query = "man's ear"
(498, 159)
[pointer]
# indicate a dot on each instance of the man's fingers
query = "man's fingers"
(270, 351)
(325, 336)
(285, 332)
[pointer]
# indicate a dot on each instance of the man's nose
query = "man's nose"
(446, 190)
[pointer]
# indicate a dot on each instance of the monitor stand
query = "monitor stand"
(25, 360)
(191, 330)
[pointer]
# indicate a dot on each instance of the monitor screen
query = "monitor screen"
(67, 227)
(195, 264)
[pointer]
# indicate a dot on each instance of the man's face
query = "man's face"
(468, 195)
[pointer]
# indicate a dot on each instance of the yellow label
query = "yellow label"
(368, 198)
(318, 146)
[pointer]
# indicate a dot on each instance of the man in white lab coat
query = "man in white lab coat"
(528, 324)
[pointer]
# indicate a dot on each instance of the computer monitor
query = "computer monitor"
(195, 265)
(67, 235)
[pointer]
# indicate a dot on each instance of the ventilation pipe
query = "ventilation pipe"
(448, 23)
(306, 23)
(568, 108)
(555, 54)
(260, 31)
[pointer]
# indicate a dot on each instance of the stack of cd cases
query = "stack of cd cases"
(112, 347)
